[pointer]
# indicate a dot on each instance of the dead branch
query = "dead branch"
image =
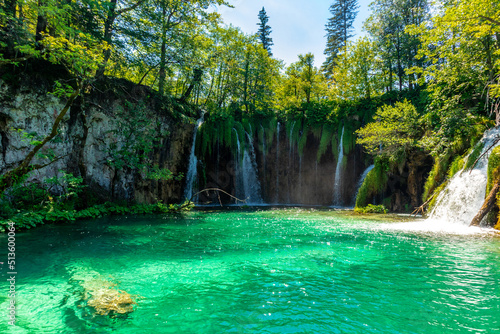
(421, 209)
(423, 206)
(488, 204)
(218, 191)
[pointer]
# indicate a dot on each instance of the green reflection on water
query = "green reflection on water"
(271, 271)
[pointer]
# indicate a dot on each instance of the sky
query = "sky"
(298, 26)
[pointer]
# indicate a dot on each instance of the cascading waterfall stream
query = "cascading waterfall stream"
(337, 194)
(238, 181)
(464, 194)
(192, 174)
(246, 178)
(251, 184)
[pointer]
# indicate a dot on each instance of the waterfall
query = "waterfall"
(464, 194)
(360, 182)
(246, 181)
(238, 180)
(264, 166)
(277, 162)
(337, 195)
(251, 184)
(192, 173)
(290, 151)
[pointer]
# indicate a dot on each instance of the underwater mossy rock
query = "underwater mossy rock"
(106, 299)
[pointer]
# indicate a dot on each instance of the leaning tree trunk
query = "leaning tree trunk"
(488, 204)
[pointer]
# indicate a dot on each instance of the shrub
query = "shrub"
(370, 208)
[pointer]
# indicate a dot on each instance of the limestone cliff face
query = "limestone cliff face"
(91, 130)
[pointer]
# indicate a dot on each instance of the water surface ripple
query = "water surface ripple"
(274, 271)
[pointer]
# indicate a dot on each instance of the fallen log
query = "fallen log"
(488, 204)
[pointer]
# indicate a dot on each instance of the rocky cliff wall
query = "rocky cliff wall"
(93, 135)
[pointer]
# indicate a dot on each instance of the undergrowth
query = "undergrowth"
(64, 199)
(370, 208)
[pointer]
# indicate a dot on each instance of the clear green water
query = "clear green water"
(279, 271)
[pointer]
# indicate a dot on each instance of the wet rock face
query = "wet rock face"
(86, 136)
(293, 179)
(406, 185)
(286, 177)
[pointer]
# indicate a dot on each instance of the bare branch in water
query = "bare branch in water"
(218, 195)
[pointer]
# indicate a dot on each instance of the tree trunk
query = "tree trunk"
(108, 32)
(488, 204)
(163, 52)
(41, 24)
(197, 73)
(10, 8)
(245, 82)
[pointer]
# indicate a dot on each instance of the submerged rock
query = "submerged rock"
(106, 299)
(99, 295)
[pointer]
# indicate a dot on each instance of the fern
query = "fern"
(349, 140)
(326, 136)
(374, 183)
(473, 156)
(316, 130)
(297, 129)
(438, 174)
(228, 132)
(241, 135)
(302, 143)
(336, 142)
(456, 166)
(271, 131)
(261, 137)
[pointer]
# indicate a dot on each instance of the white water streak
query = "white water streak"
(361, 180)
(337, 195)
(192, 174)
(251, 184)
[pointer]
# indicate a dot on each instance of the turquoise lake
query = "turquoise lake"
(256, 271)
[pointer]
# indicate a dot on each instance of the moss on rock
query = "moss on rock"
(374, 183)
(493, 168)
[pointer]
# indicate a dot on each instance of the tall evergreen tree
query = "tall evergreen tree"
(338, 30)
(265, 31)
